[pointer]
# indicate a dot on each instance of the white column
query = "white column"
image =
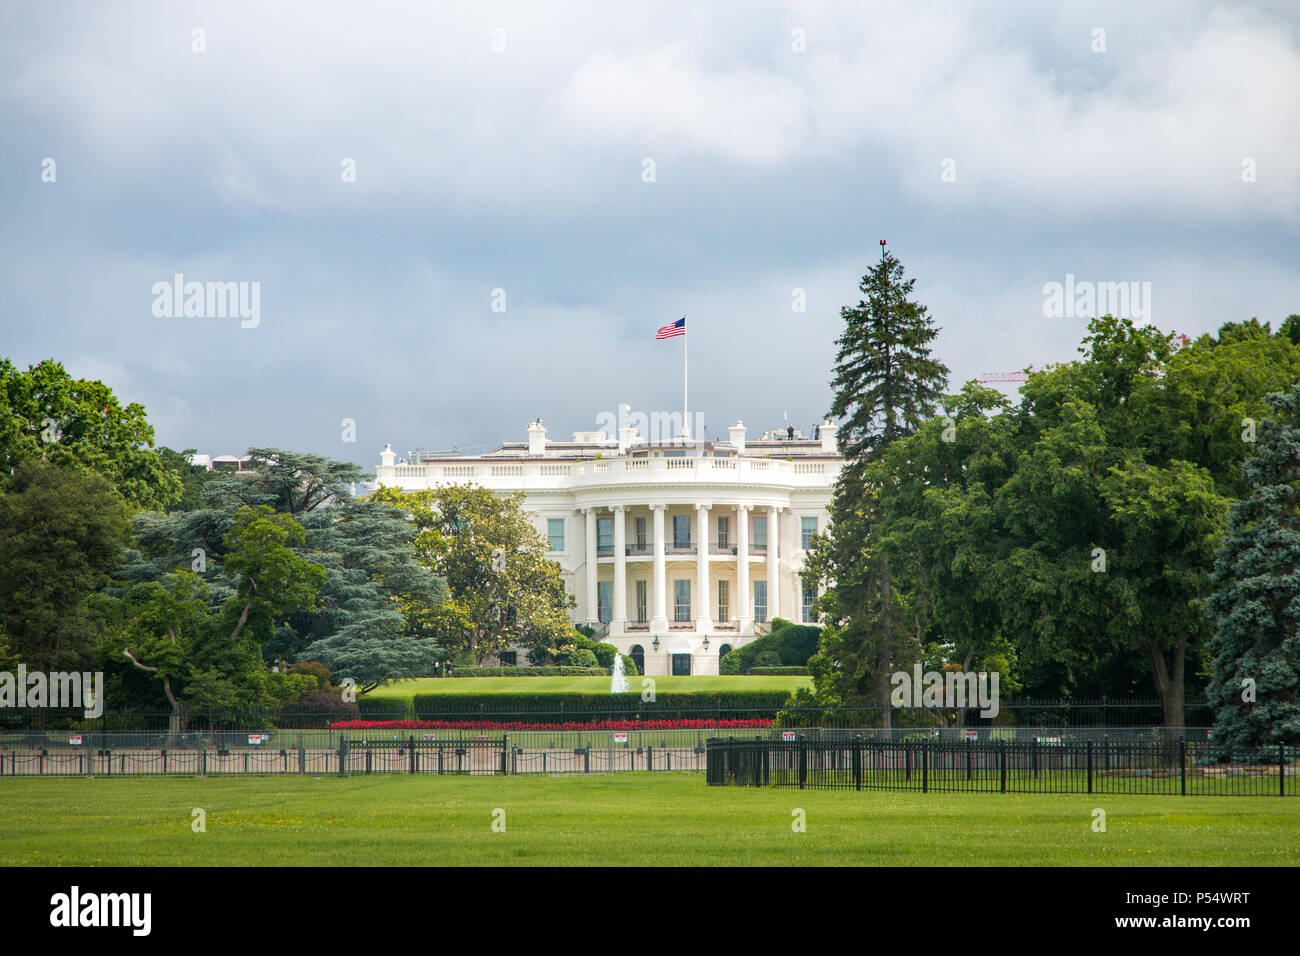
(619, 622)
(741, 602)
(659, 620)
(703, 616)
(593, 612)
(773, 563)
(796, 582)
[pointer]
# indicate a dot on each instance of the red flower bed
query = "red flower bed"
(566, 725)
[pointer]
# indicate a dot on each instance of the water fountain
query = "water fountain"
(617, 679)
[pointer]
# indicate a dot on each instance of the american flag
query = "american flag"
(668, 331)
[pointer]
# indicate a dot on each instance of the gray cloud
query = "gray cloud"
(522, 170)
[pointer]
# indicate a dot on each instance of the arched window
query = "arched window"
(723, 651)
(638, 657)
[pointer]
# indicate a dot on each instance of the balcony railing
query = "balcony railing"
(528, 474)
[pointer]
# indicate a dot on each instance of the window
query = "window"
(760, 534)
(681, 665)
(604, 534)
(604, 600)
(555, 531)
(681, 531)
(640, 533)
(809, 596)
(724, 532)
(807, 528)
(760, 601)
(641, 589)
(723, 651)
(724, 605)
(637, 653)
(682, 599)
(508, 658)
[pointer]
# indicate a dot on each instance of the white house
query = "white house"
(675, 550)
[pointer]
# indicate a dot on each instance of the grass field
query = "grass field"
(591, 685)
(627, 819)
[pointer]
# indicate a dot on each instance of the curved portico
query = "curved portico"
(671, 550)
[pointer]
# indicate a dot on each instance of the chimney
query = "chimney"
(386, 457)
(626, 437)
(737, 435)
(536, 438)
(828, 438)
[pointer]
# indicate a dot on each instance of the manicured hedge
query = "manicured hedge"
(376, 708)
(788, 645)
(728, 704)
(799, 671)
(554, 670)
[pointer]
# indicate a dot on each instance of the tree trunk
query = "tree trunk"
(886, 641)
(1169, 683)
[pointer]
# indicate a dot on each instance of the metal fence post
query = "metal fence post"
(1090, 765)
(1002, 762)
(504, 745)
(925, 766)
(857, 762)
(410, 757)
(1281, 770)
(302, 758)
(1182, 764)
(803, 762)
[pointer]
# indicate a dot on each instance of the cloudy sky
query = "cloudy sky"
(507, 146)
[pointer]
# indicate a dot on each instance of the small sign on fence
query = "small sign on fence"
(972, 735)
(620, 738)
(788, 735)
(74, 739)
(426, 737)
(257, 738)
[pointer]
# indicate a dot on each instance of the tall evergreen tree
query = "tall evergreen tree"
(886, 384)
(1256, 605)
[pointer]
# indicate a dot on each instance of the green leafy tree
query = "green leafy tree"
(1255, 683)
(291, 482)
(46, 414)
(504, 590)
(62, 529)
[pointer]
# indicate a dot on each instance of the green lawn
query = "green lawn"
(624, 819)
(592, 685)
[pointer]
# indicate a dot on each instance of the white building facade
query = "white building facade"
(675, 551)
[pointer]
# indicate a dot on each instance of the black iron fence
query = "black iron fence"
(348, 753)
(1038, 765)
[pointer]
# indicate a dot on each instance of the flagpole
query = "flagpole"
(686, 381)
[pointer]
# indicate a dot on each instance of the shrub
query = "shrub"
(584, 658)
(314, 669)
(585, 707)
(771, 671)
(383, 707)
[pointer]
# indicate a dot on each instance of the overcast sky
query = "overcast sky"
(504, 146)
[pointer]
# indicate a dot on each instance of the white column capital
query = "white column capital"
(702, 507)
(743, 508)
(619, 509)
(657, 507)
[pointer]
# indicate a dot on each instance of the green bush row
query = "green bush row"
(733, 704)
(552, 670)
(792, 671)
